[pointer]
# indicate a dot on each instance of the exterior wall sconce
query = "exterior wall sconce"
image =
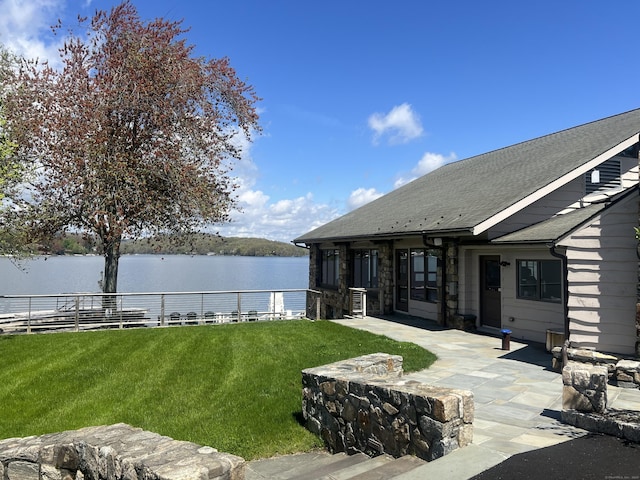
(505, 264)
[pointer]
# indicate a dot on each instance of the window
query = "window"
(365, 268)
(540, 280)
(330, 268)
(424, 275)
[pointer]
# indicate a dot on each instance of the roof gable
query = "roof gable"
(474, 194)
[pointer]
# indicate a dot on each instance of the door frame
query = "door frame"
(401, 280)
(496, 303)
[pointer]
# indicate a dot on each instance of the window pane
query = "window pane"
(365, 269)
(432, 295)
(417, 279)
(374, 269)
(528, 279)
(550, 280)
(540, 280)
(357, 269)
(330, 267)
(432, 273)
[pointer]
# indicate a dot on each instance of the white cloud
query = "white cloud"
(400, 125)
(282, 220)
(428, 163)
(362, 196)
(24, 25)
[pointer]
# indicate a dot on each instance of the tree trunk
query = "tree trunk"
(110, 280)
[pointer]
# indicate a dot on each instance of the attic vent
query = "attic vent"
(606, 176)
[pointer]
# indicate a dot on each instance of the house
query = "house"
(537, 238)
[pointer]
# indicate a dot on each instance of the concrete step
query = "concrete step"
(324, 466)
(461, 464)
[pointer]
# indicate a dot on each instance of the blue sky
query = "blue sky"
(360, 97)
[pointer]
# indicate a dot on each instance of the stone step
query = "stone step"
(460, 464)
(324, 466)
(392, 469)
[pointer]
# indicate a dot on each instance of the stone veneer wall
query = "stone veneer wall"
(335, 301)
(115, 452)
(364, 405)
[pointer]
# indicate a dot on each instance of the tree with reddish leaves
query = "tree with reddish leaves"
(133, 136)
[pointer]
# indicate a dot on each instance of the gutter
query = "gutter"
(565, 274)
(443, 300)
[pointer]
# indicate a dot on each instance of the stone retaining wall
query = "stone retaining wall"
(584, 403)
(364, 405)
(622, 372)
(116, 452)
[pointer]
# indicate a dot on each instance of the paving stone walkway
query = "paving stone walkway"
(518, 397)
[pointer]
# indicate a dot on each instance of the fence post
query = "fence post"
(77, 316)
(317, 306)
(162, 310)
(121, 309)
(239, 307)
(29, 317)
(202, 320)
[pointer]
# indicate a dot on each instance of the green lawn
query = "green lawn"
(234, 387)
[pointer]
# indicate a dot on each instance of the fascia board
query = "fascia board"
(546, 190)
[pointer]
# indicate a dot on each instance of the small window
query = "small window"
(365, 268)
(424, 276)
(540, 280)
(330, 268)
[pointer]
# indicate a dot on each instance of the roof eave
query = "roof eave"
(387, 236)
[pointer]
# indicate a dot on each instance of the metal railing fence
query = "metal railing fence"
(89, 311)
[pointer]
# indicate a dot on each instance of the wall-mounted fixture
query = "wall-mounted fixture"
(504, 263)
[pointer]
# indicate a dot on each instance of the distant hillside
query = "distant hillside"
(208, 244)
(193, 244)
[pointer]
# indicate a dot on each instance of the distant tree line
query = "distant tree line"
(187, 244)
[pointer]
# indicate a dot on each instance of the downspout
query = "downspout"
(565, 275)
(443, 299)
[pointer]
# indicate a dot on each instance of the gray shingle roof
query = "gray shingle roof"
(461, 195)
(559, 226)
(552, 229)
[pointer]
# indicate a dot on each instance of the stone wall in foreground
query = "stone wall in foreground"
(584, 403)
(364, 405)
(115, 452)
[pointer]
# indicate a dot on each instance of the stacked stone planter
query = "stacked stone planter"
(364, 405)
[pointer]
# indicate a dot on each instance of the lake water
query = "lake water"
(154, 273)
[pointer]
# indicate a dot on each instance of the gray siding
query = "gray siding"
(527, 319)
(602, 277)
(542, 209)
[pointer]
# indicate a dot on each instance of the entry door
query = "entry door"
(490, 287)
(402, 280)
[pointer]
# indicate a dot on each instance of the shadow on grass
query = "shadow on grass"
(299, 418)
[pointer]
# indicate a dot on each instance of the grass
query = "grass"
(234, 387)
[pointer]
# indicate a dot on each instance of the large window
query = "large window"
(365, 268)
(540, 280)
(330, 268)
(424, 275)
